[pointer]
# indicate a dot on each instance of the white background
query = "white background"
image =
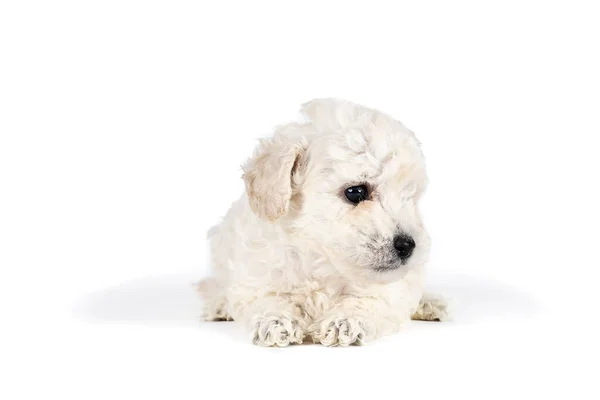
(122, 128)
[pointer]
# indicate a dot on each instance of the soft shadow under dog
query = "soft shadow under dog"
(172, 300)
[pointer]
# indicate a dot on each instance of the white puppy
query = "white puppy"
(327, 242)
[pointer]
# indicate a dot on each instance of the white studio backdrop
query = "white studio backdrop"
(123, 125)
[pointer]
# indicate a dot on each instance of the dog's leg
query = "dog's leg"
(355, 321)
(433, 308)
(215, 309)
(273, 320)
(215, 301)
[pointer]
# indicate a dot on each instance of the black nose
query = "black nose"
(404, 246)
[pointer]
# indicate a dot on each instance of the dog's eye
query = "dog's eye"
(356, 194)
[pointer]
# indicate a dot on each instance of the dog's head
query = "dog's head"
(345, 184)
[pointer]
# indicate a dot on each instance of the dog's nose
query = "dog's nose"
(404, 246)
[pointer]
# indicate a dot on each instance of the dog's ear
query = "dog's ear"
(268, 175)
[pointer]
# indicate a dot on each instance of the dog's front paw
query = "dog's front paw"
(276, 331)
(339, 331)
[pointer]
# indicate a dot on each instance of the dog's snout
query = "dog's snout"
(404, 246)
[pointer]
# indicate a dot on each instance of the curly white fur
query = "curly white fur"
(294, 259)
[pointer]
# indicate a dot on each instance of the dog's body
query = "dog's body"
(327, 243)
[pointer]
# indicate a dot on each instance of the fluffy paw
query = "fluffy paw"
(216, 310)
(339, 331)
(216, 314)
(276, 331)
(433, 308)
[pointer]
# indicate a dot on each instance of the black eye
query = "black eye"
(356, 194)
